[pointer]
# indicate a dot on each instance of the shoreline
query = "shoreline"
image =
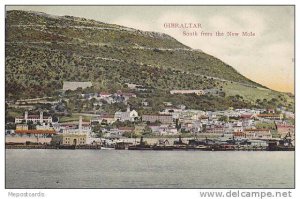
(98, 147)
(86, 147)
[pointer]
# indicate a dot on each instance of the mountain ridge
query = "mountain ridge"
(147, 33)
(70, 48)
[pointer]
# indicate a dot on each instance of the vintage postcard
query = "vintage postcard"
(134, 97)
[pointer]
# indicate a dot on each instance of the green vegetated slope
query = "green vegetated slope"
(257, 94)
(42, 51)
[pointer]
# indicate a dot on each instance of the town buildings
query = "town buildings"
(70, 139)
(157, 118)
(170, 120)
(126, 116)
(197, 92)
(74, 85)
(103, 118)
(30, 136)
(33, 118)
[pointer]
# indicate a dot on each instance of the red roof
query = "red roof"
(246, 116)
(239, 134)
(35, 131)
(29, 116)
(268, 115)
(128, 94)
(104, 93)
(284, 126)
(126, 128)
(257, 129)
(107, 116)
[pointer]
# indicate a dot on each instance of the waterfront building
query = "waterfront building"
(283, 129)
(259, 143)
(94, 141)
(258, 133)
(113, 133)
(117, 132)
(32, 136)
(70, 139)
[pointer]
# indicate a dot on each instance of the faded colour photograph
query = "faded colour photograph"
(149, 97)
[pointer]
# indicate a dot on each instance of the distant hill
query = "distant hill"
(43, 50)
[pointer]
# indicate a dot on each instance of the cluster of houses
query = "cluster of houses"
(46, 131)
(110, 98)
(212, 91)
(173, 120)
(128, 115)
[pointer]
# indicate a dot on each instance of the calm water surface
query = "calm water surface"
(148, 169)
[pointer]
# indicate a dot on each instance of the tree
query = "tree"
(97, 107)
(97, 130)
(224, 118)
(147, 131)
(177, 125)
(10, 126)
(31, 125)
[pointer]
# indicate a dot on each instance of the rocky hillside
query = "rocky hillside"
(43, 50)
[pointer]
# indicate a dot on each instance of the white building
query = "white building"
(44, 126)
(258, 133)
(77, 128)
(197, 92)
(126, 116)
(167, 130)
(109, 119)
(74, 85)
(34, 118)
